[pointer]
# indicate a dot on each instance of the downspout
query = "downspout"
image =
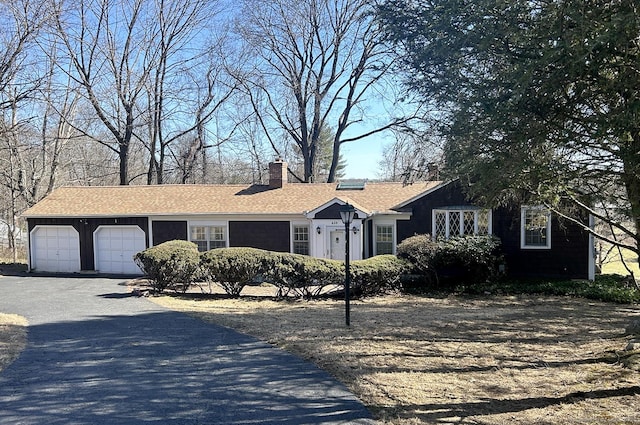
(150, 232)
(28, 248)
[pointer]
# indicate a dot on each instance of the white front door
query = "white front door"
(115, 247)
(337, 244)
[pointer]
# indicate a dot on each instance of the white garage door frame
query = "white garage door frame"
(112, 253)
(54, 248)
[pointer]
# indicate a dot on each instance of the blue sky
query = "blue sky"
(362, 157)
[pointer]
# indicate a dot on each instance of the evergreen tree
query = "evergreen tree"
(540, 99)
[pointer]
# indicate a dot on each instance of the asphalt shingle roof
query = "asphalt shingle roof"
(292, 198)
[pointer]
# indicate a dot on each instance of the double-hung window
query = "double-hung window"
(209, 237)
(301, 239)
(452, 222)
(384, 239)
(535, 227)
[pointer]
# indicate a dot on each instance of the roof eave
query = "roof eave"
(425, 193)
(163, 214)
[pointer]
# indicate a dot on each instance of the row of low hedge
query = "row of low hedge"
(175, 265)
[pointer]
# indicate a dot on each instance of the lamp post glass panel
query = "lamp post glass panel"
(347, 212)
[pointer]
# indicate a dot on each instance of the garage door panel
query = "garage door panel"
(115, 248)
(55, 249)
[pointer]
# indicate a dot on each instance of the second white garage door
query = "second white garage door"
(115, 246)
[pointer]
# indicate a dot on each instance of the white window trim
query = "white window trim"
(223, 224)
(523, 212)
(391, 224)
(461, 211)
(292, 234)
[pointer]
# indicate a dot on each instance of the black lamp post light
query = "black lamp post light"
(347, 212)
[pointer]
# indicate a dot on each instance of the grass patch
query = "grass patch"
(10, 268)
(13, 338)
(454, 359)
(608, 288)
(613, 263)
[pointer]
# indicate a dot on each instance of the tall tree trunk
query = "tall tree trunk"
(123, 154)
(631, 180)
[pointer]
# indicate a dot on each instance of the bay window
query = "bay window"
(452, 222)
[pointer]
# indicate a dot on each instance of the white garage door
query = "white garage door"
(55, 249)
(115, 246)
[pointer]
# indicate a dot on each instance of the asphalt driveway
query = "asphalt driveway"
(97, 355)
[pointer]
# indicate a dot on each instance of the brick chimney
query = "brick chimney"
(277, 173)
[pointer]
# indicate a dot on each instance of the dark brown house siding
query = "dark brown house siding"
(85, 228)
(164, 231)
(421, 209)
(567, 258)
(332, 212)
(269, 235)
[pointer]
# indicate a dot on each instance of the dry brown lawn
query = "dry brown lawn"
(489, 360)
(13, 337)
(13, 328)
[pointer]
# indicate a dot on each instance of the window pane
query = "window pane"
(440, 226)
(454, 223)
(217, 237)
(300, 233)
(198, 233)
(483, 222)
(469, 222)
(216, 233)
(199, 237)
(457, 222)
(208, 237)
(384, 233)
(301, 240)
(536, 227)
(384, 240)
(301, 248)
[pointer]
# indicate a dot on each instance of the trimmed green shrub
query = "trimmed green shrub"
(309, 277)
(377, 275)
(301, 275)
(420, 251)
(171, 265)
(413, 283)
(234, 268)
(468, 259)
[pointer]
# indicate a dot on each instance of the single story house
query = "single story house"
(99, 229)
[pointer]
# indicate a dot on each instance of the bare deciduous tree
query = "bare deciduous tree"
(146, 70)
(107, 43)
(20, 78)
(313, 63)
(413, 155)
(187, 85)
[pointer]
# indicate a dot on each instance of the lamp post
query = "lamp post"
(347, 212)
